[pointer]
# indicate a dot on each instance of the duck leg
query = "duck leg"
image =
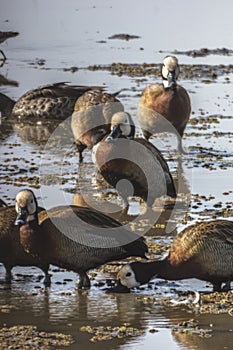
(47, 279)
(84, 281)
(217, 287)
(180, 146)
(81, 147)
(8, 276)
(227, 286)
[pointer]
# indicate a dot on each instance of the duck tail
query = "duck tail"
(6, 105)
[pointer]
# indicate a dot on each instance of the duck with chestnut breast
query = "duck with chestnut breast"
(74, 238)
(133, 166)
(91, 118)
(52, 101)
(166, 104)
(203, 251)
(11, 251)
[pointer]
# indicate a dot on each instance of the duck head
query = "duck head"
(26, 207)
(170, 71)
(121, 126)
(127, 276)
(138, 273)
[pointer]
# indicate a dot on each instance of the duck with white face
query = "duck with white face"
(203, 251)
(132, 165)
(12, 253)
(74, 238)
(165, 106)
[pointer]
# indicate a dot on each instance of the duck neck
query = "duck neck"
(30, 237)
(144, 272)
(32, 218)
(159, 268)
(162, 269)
(171, 85)
(132, 128)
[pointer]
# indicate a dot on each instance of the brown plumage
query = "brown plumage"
(203, 251)
(75, 238)
(120, 156)
(11, 251)
(91, 118)
(52, 101)
(165, 107)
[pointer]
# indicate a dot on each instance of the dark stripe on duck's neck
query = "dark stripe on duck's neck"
(132, 128)
(169, 85)
(169, 81)
(145, 271)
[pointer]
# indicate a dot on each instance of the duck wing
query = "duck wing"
(171, 190)
(93, 229)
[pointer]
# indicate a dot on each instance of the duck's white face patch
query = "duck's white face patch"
(26, 199)
(170, 64)
(127, 277)
(123, 120)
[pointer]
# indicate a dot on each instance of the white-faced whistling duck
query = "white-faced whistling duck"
(203, 251)
(74, 238)
(11, 251)
(132, 165)
(162, 105)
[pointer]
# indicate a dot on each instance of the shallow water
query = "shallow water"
(75, 34)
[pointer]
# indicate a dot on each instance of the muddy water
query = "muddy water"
(57, 35)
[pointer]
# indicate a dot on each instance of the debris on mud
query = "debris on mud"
(191, 327)
(217, 303)
(205, 52)
(101, 333)
(6, 309)
(209, 303)
(126, 37)
(206, 73)
(30, 338)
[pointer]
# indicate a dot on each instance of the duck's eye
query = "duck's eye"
(31, 201)
(128, 274)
